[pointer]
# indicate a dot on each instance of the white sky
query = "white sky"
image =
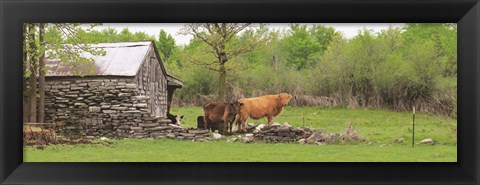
(349, 29)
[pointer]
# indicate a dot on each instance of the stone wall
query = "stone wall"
(92, 107)
(176, 132)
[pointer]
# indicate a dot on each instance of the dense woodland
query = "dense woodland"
(397, 68)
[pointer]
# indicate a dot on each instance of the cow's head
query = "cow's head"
(235, 106)
(178, 118)
(284, 98)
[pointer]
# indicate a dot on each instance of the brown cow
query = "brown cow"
(220, 112)
(259, 107)
(201, 122)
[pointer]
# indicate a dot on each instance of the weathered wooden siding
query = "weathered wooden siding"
(153, 84)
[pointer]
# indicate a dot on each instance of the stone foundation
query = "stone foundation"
(101, 107)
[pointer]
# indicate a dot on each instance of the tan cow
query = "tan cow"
(259, 107)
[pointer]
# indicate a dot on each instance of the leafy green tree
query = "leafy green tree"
(166, 45)
(331, 73)
(31, 61)
(59, 41)
(301, 46)
(109, 35)
(444, 37)
(224, 44)
(365, 53)
(305, 45)
(391, 39)
(323, 35)
(394, 68)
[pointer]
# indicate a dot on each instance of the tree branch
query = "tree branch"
(239, 51)
(197, 34)
(206, 65)
(235, 29)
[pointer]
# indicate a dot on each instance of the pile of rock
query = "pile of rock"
(176, 132)
(320, 137)
(287, 133)
(145, 129)
(247, 138)
(280, 133)
(163, 130)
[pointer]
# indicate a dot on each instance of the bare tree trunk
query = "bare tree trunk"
(218, 35)
(33, 95)
(33, 76)
(222, 59)
(222, 86)
(26, 100)
(275, 63)
(41, 77)
(275, 66)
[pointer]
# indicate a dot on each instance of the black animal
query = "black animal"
(175, 119)
(210, 126)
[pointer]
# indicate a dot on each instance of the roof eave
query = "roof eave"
(174, 81)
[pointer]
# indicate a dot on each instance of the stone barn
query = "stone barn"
(128, 92)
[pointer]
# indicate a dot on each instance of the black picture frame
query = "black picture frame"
(464, 12)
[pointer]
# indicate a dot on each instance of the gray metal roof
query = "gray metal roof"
(121, 59)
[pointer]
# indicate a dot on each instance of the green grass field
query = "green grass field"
(135, 150)
(380, 127)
